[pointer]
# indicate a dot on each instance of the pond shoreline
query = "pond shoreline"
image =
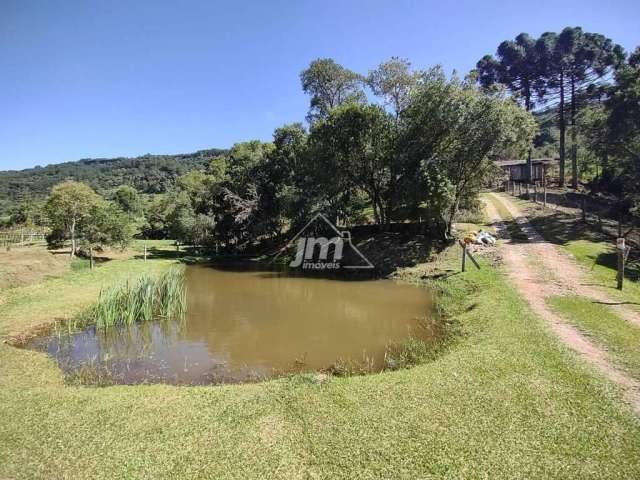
(399, 353)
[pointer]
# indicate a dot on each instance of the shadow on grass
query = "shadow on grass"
(615, 303)
(561, 228)
(155, 253)
(513, 231)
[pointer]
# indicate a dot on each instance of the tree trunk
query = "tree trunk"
(378, 211)
(527, 105)
(384, 214)
(574, 146)
(562, 126)
(562, 132)
(376, 215)
(452, 214)
(90, 257)
(72, 231)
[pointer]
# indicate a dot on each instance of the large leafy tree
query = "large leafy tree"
(69, 205)
(128, 199)
(353, 145)
(394, 81)
(283, 185)
(106, 225)
(456, 130)
(330, 85)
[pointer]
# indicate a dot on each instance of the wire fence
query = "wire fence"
(17, 238)
(601, 213)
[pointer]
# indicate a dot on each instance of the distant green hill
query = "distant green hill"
(148, 174)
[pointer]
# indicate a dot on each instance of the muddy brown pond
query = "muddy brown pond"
(247, 325)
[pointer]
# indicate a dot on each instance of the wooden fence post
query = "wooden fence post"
(620, 248)
(466, 253)
(464, 256)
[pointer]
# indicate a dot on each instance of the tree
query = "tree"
(330, 85)
(181, 218)
(455, 130)
(572, 62)
(129, 201)
(27, 213)
(621, 173)
(156, 212)
(106, 224)
(242, 161)
(281, 178)
(196, 186)
(394, 81)
(68, 206)
(353, 144)
(590, 57)
(517, 66)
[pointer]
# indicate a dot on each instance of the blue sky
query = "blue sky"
(97, 78)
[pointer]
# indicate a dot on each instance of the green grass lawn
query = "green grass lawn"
(504, 401)
(600, 261)
(618, 336)
(63, 297)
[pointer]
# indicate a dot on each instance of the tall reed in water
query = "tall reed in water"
(146, 299)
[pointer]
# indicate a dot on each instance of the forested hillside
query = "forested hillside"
(147, 174)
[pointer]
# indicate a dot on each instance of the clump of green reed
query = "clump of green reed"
(171, 294)
(408, 353)
(434, 334)
(93, 375)
(143, 300)
(348, 367)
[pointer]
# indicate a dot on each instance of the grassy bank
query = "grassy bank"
(618, 336)
(62, 298)
(506, 401)
(594, 250)
(28, 264)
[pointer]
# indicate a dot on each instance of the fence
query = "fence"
(9, 238)
(600, 212)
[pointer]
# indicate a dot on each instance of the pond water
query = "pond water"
(250, 325)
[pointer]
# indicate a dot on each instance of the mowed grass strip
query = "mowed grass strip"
(506, 401)
(598, 321)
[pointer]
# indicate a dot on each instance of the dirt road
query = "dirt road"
(539, 270)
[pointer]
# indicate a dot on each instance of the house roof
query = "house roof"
(534, 161)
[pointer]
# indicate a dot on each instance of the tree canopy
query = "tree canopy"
(419, 146)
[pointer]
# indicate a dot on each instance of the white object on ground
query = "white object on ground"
(485, 238)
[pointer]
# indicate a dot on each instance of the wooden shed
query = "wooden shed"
(516, 170)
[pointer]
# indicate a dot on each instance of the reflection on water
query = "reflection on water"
(247, 325)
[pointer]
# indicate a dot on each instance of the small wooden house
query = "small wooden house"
(516, 170)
